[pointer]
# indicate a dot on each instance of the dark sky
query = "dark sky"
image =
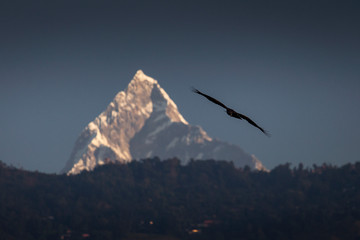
(292, 66)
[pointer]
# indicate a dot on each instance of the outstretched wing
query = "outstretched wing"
(241, 116)
(209, 98)
(231, 112)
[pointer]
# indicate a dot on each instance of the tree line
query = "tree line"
(154, 199)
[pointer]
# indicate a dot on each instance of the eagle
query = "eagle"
(231, 112)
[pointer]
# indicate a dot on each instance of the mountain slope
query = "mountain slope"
(142, 122)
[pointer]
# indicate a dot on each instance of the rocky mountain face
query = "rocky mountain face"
(143, 122)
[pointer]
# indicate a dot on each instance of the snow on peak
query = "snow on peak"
(109, 135)
(143, 121)
(142, 77)
(147, 90)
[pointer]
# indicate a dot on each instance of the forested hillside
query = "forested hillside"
(153, 199)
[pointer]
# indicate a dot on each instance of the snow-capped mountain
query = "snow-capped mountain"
(143, 122)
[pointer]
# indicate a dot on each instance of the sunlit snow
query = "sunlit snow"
(110, 134)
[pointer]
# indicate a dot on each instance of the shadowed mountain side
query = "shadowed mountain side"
(164, 138)
(190, 142)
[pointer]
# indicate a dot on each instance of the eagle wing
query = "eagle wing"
(210, 98)
(233, 113)
(241, 116)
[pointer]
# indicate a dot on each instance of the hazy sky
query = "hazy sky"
(292, 66)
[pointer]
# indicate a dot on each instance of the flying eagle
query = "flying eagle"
(231, 112)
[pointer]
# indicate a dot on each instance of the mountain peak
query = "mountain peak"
(141, 76)
(109, 135)
(152, 96)
(143, 121)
